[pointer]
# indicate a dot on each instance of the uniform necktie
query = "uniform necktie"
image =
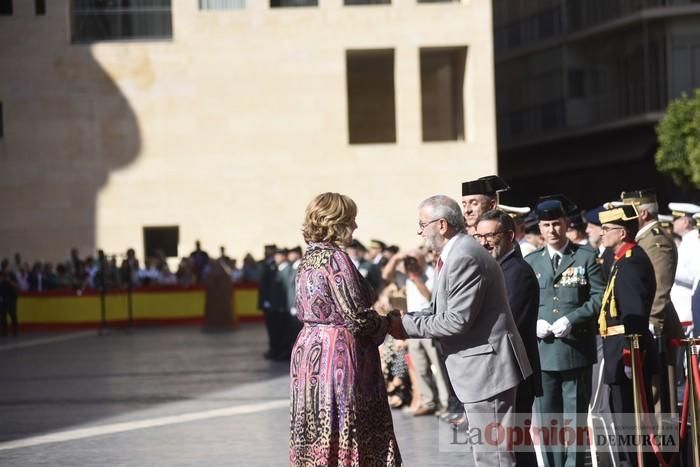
(555, 261)
(439, 264)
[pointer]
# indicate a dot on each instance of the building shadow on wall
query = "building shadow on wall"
(67, 127)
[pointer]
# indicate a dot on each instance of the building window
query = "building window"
(40, 7)
(221, 4)
(5, 7)
(367, 2)
(157, 240)
(577, 84)
(370, 85)
(106, 20)
(286, 3)
(442, 93)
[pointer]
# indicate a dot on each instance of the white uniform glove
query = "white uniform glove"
(561, 327)
(543, 329)
(628, 372)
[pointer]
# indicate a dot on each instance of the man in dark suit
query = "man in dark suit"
(288, 272)
(8, 298)
(495, 230)
(272, 300)
(369, 270)
(471, 320)
(625, 310)
(571, 285)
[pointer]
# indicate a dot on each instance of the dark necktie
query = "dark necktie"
(555, 261)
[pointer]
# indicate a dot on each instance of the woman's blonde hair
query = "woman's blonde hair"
(330, 217)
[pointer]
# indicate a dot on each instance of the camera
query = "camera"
(410, 263)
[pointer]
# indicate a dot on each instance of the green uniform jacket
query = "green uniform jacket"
(575, 290)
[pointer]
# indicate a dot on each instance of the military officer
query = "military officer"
(479, 196)
(688, 259)
(626, 307)
(571, 287)
(661, 250)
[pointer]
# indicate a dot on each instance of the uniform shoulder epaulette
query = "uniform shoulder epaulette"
(539, 250)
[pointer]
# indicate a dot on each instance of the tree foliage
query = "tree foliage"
(679, 141)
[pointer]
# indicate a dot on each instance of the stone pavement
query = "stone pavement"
(159, 396)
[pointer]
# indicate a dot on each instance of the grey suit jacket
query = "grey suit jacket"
(471, 319)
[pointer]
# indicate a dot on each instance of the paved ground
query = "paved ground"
(162, 396)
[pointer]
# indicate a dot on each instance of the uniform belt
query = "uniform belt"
(614, 330)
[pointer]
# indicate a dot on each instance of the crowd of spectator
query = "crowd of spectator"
(105, 271)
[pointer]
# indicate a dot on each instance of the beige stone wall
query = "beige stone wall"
(229, 129)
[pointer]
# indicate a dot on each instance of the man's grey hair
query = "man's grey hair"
(444, 207)
(651, 208)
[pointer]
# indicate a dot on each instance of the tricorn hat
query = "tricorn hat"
(637, 197)
(618, 215)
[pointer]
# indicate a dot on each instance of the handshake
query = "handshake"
(395, 328)
(559, 329)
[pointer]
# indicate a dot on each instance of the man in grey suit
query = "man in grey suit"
(471, 319)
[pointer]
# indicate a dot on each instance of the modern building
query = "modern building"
(153, 123)
(580, 85)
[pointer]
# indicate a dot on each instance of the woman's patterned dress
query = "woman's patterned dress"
(339, 410)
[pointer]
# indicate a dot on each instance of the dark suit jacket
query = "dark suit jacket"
(524, 299)
(272, 295)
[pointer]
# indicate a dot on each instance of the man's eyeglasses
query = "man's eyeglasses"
(423, 225)
(489, 237)
(608, 228)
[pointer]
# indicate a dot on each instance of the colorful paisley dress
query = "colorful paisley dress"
(339, 410)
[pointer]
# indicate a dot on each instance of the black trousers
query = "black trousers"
(622, 406)
(10, 310)
(275, 323)
(525, 456)
(282, 330)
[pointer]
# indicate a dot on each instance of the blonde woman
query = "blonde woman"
(339, 409)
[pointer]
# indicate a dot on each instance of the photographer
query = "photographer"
(410, 271)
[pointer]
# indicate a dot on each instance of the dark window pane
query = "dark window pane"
(286, 3)
(367, 2)
(442, 97)
(163, 240)
(5, 7)
(577, 86)
(98, 20)
(371, 108)
(40, 7)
